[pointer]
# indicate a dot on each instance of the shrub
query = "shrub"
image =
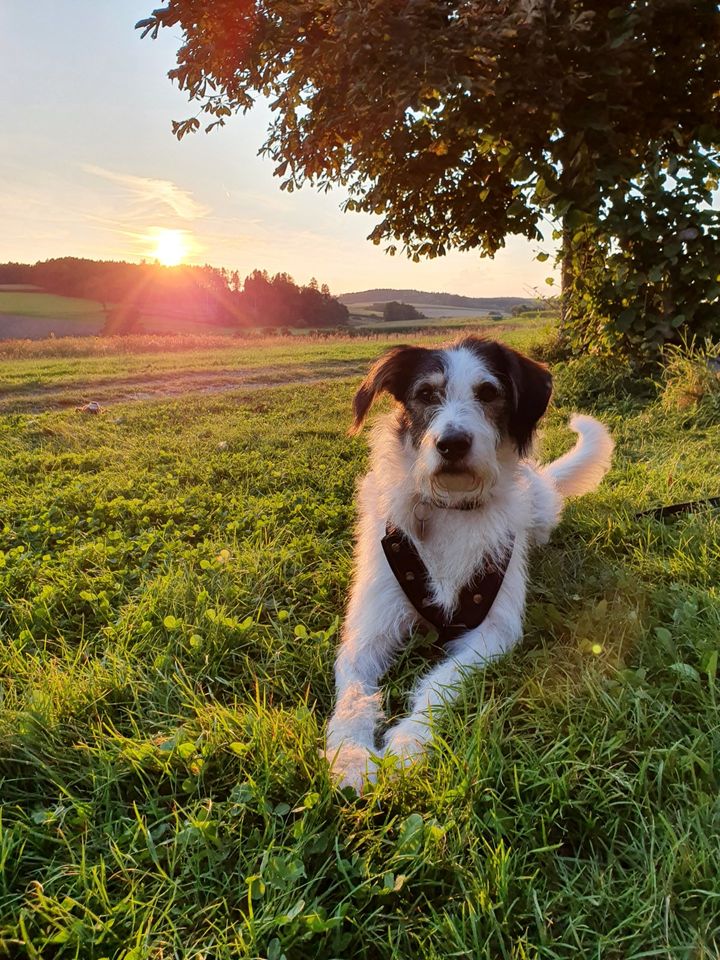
(645, 271)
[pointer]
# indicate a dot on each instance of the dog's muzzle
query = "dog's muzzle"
(457, 489)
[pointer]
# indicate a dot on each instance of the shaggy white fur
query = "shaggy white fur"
(514, 497)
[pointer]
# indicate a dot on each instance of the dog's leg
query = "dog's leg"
(377, 619)
(501, 631)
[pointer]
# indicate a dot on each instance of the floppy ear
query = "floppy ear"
(394, 372)
(530, 389)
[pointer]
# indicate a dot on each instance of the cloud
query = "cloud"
(154, 193)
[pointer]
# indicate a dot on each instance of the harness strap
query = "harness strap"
(476, 597)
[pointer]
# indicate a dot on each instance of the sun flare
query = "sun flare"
(170, 247)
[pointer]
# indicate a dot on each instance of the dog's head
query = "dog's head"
(465, 410)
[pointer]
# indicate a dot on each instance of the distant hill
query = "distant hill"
(484, 304)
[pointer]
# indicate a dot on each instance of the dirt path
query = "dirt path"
(141, 387)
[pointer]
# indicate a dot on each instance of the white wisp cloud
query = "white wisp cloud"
(154, 192)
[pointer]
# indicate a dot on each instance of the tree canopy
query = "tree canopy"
(459, 123)
(394, 310)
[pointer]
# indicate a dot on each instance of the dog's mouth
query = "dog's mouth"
(456, 484)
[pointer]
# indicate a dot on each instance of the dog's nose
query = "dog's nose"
(454, 445)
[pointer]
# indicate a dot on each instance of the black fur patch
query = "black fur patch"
(419, 410)
(527, 387)
(396, 373)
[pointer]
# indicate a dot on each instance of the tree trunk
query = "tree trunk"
(566, 275)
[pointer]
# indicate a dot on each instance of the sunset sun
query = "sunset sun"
(170, 247)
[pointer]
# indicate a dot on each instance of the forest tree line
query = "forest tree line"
(212, 295)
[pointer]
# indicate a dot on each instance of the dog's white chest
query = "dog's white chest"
(455, 546)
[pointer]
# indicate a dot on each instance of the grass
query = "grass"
(448, 319)
(26, 311)
(63, 372)
(692, 382)
(173, 575)
(30, 303)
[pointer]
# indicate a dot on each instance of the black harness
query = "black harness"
(476, 597)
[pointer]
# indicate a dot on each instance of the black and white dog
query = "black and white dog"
(447, 515)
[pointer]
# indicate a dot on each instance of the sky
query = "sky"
(89, 167)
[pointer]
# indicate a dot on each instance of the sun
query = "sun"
(170, 247)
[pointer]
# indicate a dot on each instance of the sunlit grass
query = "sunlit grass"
(35, 303)
(63, 372)
(172, 578)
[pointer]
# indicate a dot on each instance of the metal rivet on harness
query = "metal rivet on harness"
(473, 604)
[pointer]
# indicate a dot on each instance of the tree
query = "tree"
(394, 310)
(457, 124)
(279, 301)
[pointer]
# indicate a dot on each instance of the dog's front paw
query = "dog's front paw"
(351, 765)
(406, 741)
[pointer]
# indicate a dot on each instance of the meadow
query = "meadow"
(70, 370)
(30, 313)
(26, 311)
(172, 580)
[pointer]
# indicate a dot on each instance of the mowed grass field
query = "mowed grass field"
(172, 579)
(28, 312)
(30, 302)
(444, 316)
(109, 369)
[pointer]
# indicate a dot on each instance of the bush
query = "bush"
(645, 271)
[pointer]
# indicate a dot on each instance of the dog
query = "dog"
(447, 515)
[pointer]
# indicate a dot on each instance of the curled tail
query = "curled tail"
(581, 469)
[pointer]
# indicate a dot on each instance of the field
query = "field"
(29, 313)
(26, 312)
(74, 370)
(173, 577)
(453, 315)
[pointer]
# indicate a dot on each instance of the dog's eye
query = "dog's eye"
(486, 392)
(427, 395)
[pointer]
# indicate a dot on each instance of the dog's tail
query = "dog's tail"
(581, 469)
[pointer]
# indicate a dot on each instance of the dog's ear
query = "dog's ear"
(530, 386)
(394, 373)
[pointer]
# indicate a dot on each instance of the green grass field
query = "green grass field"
(173, 575)
(67, 371)
(29, 303)
(454, 322)
(27, 312)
